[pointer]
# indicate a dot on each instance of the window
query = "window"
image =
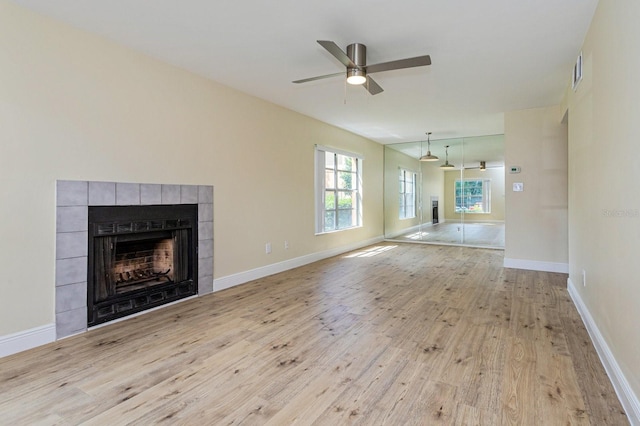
(407, 194)
(473, 196)
(338, 190)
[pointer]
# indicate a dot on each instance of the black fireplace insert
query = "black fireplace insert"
(140, 257)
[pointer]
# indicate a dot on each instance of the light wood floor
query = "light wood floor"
(484, 234)
(397, 334)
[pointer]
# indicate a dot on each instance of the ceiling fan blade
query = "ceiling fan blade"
(337, 53)
(372, 87)
(320, 77)
(487, 167)
(418, 61)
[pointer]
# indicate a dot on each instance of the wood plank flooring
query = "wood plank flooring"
(397, 334)
(469, 233)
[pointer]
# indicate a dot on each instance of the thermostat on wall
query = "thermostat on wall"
(514, 169)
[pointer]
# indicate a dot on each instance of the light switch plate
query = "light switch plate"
(518, 187)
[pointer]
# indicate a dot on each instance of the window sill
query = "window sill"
(337, 230)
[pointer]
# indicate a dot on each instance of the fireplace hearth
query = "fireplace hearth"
(140, 257)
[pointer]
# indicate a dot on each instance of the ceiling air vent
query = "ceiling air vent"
(577, 72)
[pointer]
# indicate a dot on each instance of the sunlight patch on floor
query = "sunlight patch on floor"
(371, 251)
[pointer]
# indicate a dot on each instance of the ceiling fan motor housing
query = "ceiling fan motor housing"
(358, 54)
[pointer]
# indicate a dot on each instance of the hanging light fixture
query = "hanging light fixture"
(446, 164)
(428, 156)
(483, 166)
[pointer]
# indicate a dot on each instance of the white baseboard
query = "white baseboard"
(627, 397)
(23, 340)
(411, 230)
(254, 274)
(536, 265)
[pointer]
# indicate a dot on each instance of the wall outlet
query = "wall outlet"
(267, 248)
(286, 245)
(584, 278)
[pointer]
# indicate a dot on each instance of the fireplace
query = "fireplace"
(434, 210)
(140, 257)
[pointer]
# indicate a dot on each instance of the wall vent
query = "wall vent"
(577, 73)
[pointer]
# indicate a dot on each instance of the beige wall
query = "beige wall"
(497, 194)
(432, 186)
(74, 106)
(604, 172)
(393, 162)
(536, 218)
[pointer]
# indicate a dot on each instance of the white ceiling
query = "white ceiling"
(488, 56)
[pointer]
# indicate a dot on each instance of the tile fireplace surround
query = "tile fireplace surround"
(72, 201)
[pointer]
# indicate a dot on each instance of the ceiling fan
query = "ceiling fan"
(483, 166)
(355, 59)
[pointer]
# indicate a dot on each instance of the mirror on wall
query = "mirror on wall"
(462, 203)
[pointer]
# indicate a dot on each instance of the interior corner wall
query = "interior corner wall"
(75, 106)
(604, 199)
(537, 218)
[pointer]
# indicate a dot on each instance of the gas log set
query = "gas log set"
(141, 276)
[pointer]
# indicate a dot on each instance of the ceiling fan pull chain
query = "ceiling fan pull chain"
(345, 92)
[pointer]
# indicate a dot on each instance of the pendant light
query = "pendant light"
(446, 164)
(428, 157)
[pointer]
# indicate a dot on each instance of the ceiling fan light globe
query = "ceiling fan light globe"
(356, 77)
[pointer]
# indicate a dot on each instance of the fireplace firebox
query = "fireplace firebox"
(140, 257)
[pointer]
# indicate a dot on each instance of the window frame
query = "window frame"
(486, 196)
(402, 199)
(321, 190)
